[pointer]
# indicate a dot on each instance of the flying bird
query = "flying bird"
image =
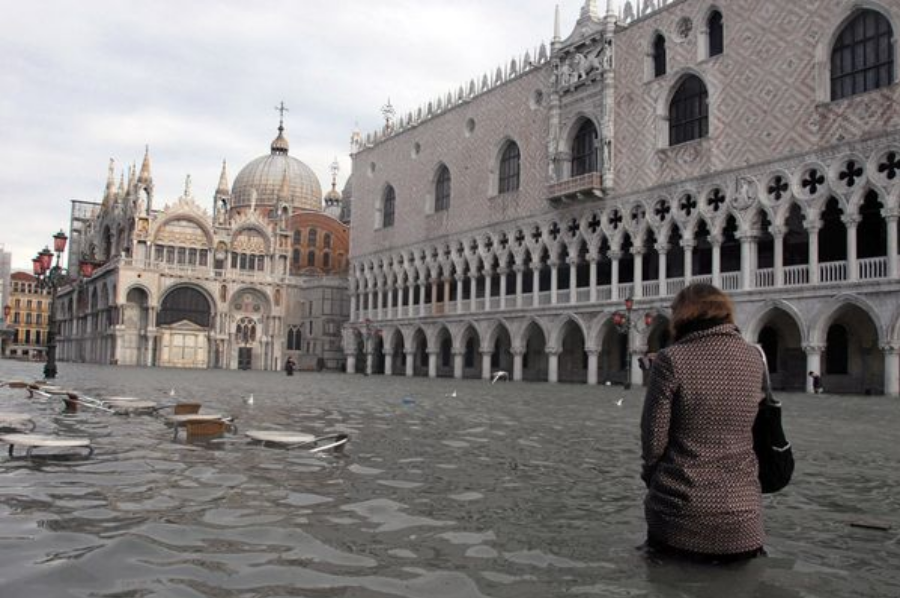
(619, 402)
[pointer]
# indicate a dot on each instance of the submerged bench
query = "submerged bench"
(315, 444)
(16, 420)
(201, 424)
(35, 441)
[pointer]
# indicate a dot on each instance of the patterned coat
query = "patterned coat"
(703, 494)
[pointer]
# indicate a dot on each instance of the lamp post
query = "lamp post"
(625, 324)
(50, 276)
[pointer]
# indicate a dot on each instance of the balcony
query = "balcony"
(576, 189)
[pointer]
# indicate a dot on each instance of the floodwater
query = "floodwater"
(506, 490)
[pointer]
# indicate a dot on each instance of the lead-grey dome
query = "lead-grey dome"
(266, 177)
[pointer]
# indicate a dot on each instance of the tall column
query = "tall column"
(370, 359)
(388, 364)
(891, 370)
(614, 278)
(370, 313)
(502, 272)
(351, 363)
(716, 242)
(748, 246)
(535, 284)
(353, 306)
(592, 366)
(662, 252)
(592, 260)
(473, 292)
(573, 279)
(412, 299)
(554, 280)
(813, 231)
(638, 254)
(552, 364)
(380, 302)
(422, 284)
(400, 294)
(517, 353)
(434, 295)
(458, 364)
(891, 221)
(813, 363)
(410, 363)
(520, 272)
(851, 223)
(447, 282)
(688, 246)
(488, 280)
(486, 365)
(432, 363)
(390, 301)
(459, 293)
(778, 265)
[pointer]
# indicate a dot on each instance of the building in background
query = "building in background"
(261, 276)
(6, 331)
(751, 145)
(29, 308)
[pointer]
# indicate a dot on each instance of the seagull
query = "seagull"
(608, 383)
(249, 400)
(499, 375)
(619, 402)
(453, 394)
(172, 393)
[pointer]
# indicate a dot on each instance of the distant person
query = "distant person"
(290, 366)
(816, 382)
(703, 497)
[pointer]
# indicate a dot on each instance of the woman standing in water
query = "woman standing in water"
(703, 496)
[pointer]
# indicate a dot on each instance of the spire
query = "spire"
(335, 168)
(188, 193)
(610, 9)
(132, 174)
(589, 10)
(280, 144)
(556, 37)
(121, 190)
(110, 183)
(145, 177)
(222, 189)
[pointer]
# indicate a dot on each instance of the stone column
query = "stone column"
(388, 364)
(410, 363)
(473, 292)
(851, 222)
(592, 366)
(432, 363)
(351, 363)
(459, 293)
(502, 272)
(552, 364)
(778, 258)
(390, 301)
(614, 255)
(592, 260)
(447, 283)
(535, 285)
(434, 295)
(573, 279)
(370, 312)
(891, 221)
(486, 365)
(813, 363)
(517, 353)
(519, 268)
(813, 231)
(353, 306)
(399, 299)
(688, 246)
(422, 284)
(370, 358)
(748, 245)
(662, 251)
(412, 299)
(637, 376)
(457, 364)
(488, 279)
(638, 254)
(554, 280)
(891, 370)
(379, 305)
(716, 242)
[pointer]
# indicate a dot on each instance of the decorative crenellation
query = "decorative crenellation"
(517, 67)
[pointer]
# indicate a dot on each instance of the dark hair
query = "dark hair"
(698, 307)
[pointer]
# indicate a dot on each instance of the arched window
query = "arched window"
(715, 33)
(387, 207)
(689, 112)
(312, 237)
(442, 190)
(326, 260)
(297, 237)
(326, 241)
(862, 58)
(509, 169)
(584, 149)
(659, 56)
(311, 259)
(295, 257)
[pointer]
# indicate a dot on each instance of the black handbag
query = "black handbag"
(773, 451)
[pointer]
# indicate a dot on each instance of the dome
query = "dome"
(266, 175)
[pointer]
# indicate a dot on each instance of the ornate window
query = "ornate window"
(509, 169)
(659, 56)
(442, 190)
(387, 207)
(311, 259)
(584, 149)
(326, 260)
(294, 339)
(689, 112)
(326, 241)
(297, 237)
(295, 257)
(715, 33)
(312, 237)
(862, 58)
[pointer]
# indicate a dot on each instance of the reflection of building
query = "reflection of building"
(181, 287)
(30, 306)
(501, 225)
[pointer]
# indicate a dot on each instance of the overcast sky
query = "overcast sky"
(85, 81)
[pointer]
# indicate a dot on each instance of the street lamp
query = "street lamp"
(51, 277)
(625, 324)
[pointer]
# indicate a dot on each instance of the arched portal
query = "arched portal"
(572, 356)
(780, 338)
(853, 362)
(501, 355)
(377, 354)
(420, 347)
(471, 357)
(445, 354)
(534, 361)
(613, 355)
(183, 323)
(133, 349)
(398, 355)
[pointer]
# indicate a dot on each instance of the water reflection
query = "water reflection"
(506, 490)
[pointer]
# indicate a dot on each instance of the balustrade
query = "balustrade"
(873, 267)
(796, 275)
(730, 281)
(832, 271)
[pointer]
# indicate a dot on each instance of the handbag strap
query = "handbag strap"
(767, 383)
